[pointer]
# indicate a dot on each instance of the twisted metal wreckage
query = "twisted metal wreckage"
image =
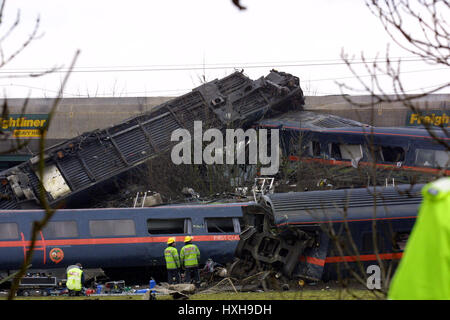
(278, 232)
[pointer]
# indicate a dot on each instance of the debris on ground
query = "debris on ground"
(179, 291)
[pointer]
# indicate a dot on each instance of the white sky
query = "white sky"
(137, 37)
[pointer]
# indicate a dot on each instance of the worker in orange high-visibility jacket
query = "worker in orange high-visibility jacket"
(75, 279)
(172, 262)
(424, 271)
(190, 258)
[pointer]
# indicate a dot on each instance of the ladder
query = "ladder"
(143, 196)
(262, 186)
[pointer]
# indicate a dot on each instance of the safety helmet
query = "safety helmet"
(187, 239)
(170, 240)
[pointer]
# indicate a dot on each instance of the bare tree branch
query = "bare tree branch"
(49, 212)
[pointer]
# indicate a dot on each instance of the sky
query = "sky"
(166, 48)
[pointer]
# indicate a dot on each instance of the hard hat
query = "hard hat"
(170, 240)
(187, 239)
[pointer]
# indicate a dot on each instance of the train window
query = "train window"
(299, 146)
(400, 239)
(241, 223)
(339, 151)
(351, 151)
(314, 148)
(295, 147)
(60, 229)
(169, 226)
(389, 154)
(104, 228)
(442, 158)
(432, 158)
(335, 152)
(9, 231)
(222, 225)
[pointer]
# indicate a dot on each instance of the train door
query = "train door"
(40, 251)
(223, 234)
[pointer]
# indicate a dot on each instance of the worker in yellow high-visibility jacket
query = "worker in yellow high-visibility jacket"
(190, 258)
(75, 279)
(424, 271)
(172, 261)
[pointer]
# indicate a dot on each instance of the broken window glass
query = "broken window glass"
(316, 148)
(335, 152)
(389, 154)
(295, 145)
(220, 225)
(169, 226)
(345, 151)
(351, 151)
(60, 229)
(9, 231)
(300, 146)
(432, 158)
(313, 149)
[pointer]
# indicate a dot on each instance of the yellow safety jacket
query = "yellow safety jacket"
(190, 255)
(424, 271)
(74, 279)
(172, 259)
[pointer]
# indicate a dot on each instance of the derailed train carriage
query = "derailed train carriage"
(348, 153)
(322, 235)
(127, 243)
(297, 235)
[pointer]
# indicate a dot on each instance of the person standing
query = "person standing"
(172, 262)
(424, 270)
(75, 279)
(190, 257)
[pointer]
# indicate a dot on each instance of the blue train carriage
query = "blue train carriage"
(124, 242)
(322, 233)
(332, 140)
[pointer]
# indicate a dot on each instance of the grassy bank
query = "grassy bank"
(330, 294)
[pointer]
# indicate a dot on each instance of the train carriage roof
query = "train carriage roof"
(340, 205)
(327, 123)
(311, 120)
(157, 212)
